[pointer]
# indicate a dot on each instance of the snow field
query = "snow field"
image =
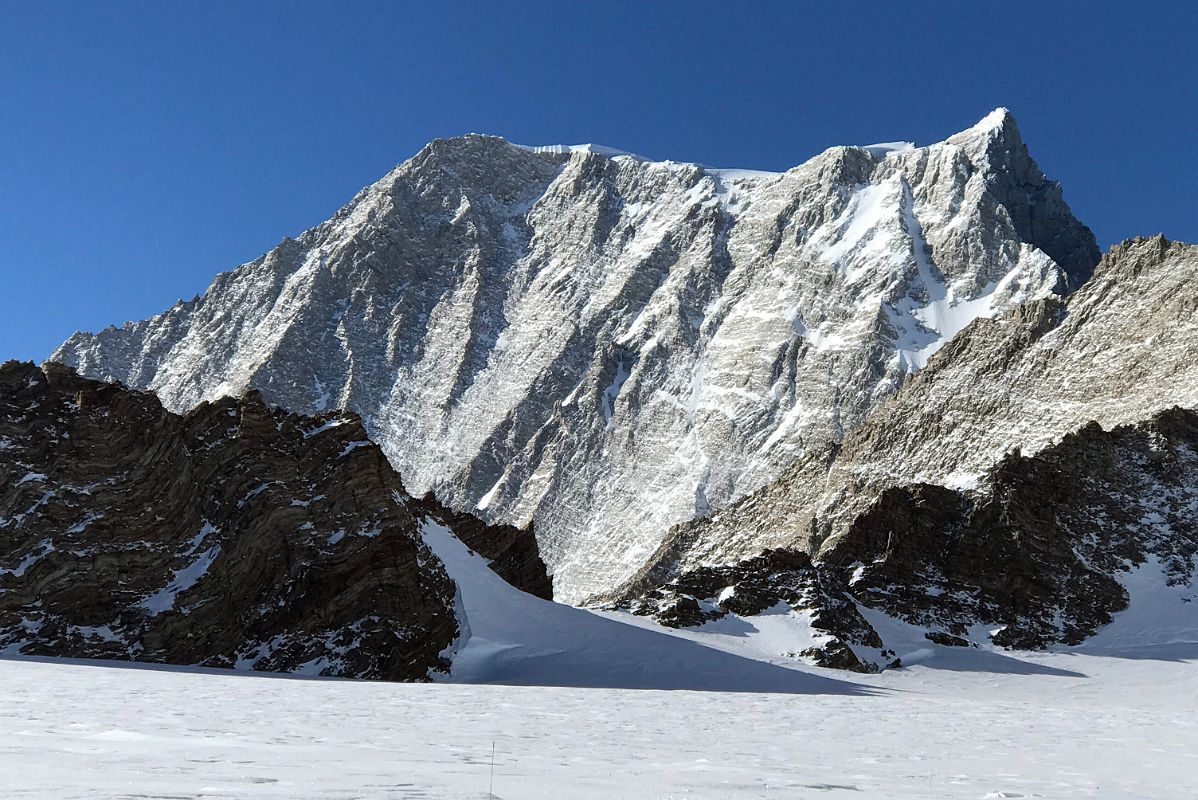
(1072, 726)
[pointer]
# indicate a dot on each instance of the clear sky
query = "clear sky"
(144, 147)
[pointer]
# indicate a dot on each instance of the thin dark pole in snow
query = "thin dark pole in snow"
(491, 786)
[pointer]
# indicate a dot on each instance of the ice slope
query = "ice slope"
(1069, 726)
(605, 345)
(510, 637)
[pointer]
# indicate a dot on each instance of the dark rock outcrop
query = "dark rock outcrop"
(760, 584)
(236, 535)
(1034, 556)
(1039, 550)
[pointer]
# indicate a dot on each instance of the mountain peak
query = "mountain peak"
(558, 324)
(997, 119)
(997, 132)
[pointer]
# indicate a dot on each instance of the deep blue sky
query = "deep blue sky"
(146, 147)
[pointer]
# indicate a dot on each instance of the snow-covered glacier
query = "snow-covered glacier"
(605, 345)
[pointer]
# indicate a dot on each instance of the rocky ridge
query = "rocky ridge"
(1038, 557)
(1117, 351)
(607, 346)
(236, 535)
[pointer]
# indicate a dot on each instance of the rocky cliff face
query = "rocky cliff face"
(608, 346)
(236, 535)
(1115, 352)
(1039, 556)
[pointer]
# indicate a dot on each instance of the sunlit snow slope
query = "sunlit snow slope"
(1059, 726)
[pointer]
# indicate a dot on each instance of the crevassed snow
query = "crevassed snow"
(515, 638)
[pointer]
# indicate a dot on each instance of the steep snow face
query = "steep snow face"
(605, 345)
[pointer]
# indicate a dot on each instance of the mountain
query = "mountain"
(1015, 492)
(237, 535)
(606, 346)
(1117, 351)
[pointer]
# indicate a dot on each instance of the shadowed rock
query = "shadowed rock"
(237, 535)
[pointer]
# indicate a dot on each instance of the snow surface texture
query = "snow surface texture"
(1051, 726)
(606, 345)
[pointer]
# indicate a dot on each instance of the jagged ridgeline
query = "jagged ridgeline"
(235, 535)
(608, 346)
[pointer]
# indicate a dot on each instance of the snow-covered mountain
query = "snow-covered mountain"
(606, 345)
